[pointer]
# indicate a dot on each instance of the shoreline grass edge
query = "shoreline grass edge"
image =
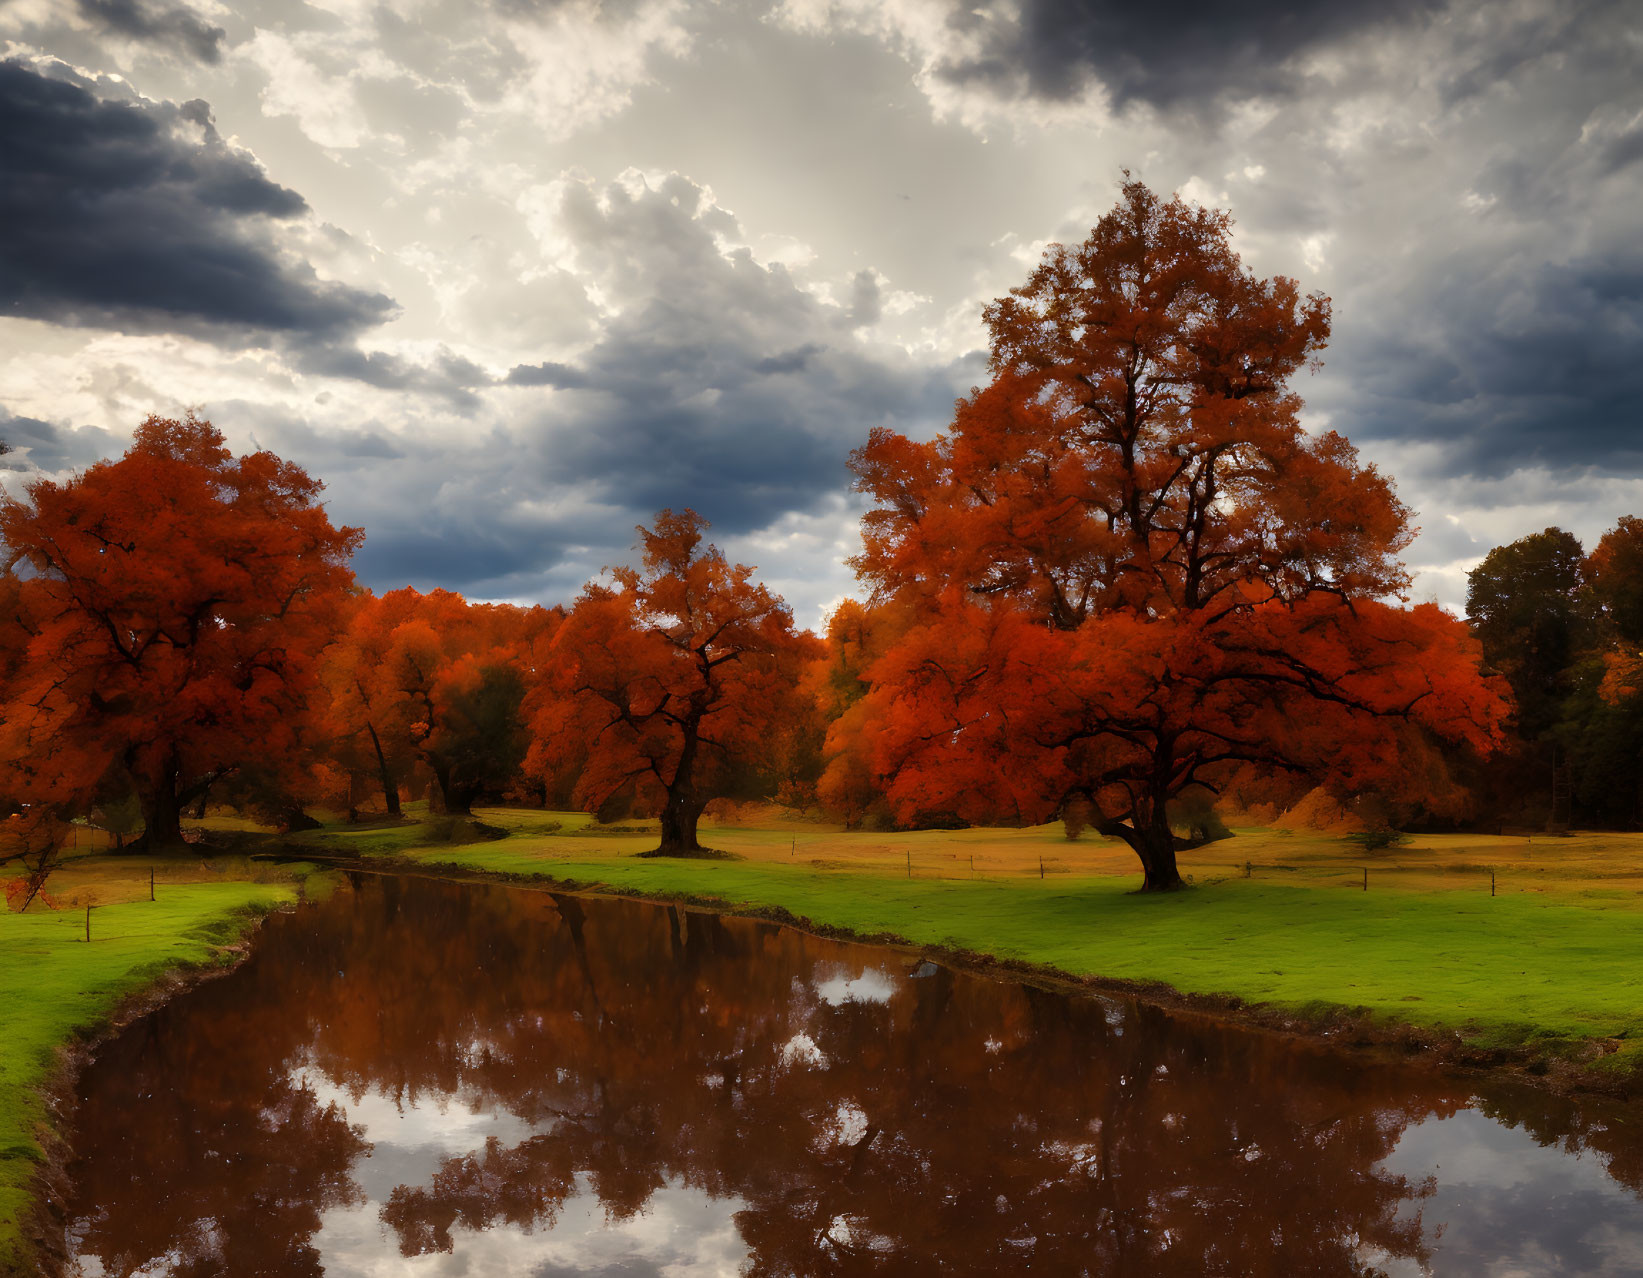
(61, 995)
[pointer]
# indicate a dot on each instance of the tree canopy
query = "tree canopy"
(675, 688)
(171, 607)
(1131, 567)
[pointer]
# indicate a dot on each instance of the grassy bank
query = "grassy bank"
(1552, 961)
(57, 987)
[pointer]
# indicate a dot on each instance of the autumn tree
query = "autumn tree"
(1614, 574)
(837, 683)
(174, 602)
(1602, 721)
(1135, 570)
(359, 707)
(676, 686)
(32, 839)
(432, 680)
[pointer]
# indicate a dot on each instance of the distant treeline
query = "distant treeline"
(1565, 629)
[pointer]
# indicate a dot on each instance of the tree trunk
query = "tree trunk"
(679, 823)
(453, 800)
(390, 788)
(679, 820)
(162, 815)
(1154, 844)
(684, 807)
(1158, 869)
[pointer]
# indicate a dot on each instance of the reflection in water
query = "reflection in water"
(421, 1077)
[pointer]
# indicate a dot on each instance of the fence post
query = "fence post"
(1366, 878)
(794, 849)
(972, 865)
(1491, 881)
(1247, 869)
(909, 862)
(151, 883)
(88, 924)
(1041, 866)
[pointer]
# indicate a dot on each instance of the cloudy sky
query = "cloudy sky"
(510, 275)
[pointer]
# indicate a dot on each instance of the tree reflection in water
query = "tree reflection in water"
(855, 1113)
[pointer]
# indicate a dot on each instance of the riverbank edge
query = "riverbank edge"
(38, 1248)
(1571, 1069)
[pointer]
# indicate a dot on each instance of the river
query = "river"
(419, 1077)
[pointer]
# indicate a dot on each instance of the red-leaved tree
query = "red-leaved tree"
(678, 687)
(433, 680)
(1132, 568)
(174, 603)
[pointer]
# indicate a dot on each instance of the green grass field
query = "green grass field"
(56, 986)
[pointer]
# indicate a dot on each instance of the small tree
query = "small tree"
(1195, 813)
(1529, 606)
(677, 687)
(1075, 817)
(120, 814)
(484, 739)
(34, 839)
(431, 679)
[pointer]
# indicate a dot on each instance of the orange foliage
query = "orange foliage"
(174, 603)
(432, 679)
(1133, 570)
(836, 683)
(1615, 571)
(34, 839)
(679, 687)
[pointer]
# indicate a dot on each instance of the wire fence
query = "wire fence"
(1486, 868)
(1507, 876)
(76, 887)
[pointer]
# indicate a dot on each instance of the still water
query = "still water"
(414, 1077)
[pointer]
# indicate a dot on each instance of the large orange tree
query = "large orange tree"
(172, 606)
(678, 687)
(1133, 570)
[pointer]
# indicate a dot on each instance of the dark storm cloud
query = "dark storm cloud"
(1500, 330)
(451, 556)
(1523, 366)
(793, 361)
(548, 373)
(1170, 53)
(175, 25)
(721, 384)
(771, 436)
(41, 446)
(451, 377)
(323, 453)
(137, 216)
(717, 382)
(475, 515)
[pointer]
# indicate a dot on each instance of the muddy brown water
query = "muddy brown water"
(417, 1077)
